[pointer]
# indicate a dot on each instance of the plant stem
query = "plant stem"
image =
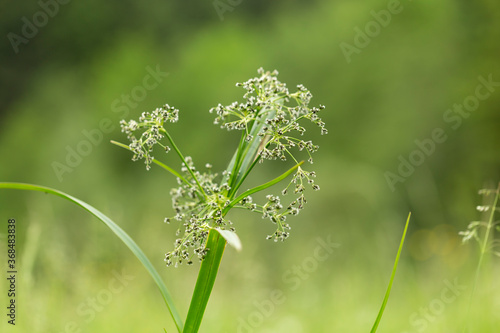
(183, 160)
(205, 282)
(249, 151)
(481, 254)
(490, 225)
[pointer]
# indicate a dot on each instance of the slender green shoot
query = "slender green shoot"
(184, 161)
(473, 232)
(261, 187)
(166, 167)
(387, 293)
(489, 227)
(205, 282)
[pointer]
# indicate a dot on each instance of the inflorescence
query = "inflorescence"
(152, 122)
(266, 101)
(481, 230)
(270, 118)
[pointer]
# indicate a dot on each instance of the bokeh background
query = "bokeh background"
(70, 75)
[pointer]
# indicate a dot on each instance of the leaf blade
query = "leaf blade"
(387, 293)
(260, 187)
(120, 233)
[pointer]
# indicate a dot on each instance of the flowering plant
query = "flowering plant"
(270, 119)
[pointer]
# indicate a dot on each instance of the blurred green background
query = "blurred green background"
(385, 88)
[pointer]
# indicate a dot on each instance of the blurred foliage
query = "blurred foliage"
(66, 79)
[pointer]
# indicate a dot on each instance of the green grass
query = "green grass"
(388, 292)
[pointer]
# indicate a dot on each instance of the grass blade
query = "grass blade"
(205, 282)
(249, 151)
(386, 297)
(124, 237)
(261, 187)
(166, 167)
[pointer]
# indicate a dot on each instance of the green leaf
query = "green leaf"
(246, 156)
(166, 167)
(231, 238)
(260, 187)
(234, 163)
(205, 282)
(387, 293)
(125, 238)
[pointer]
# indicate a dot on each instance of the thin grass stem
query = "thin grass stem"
(483, 249)
(183, 161)
(388, 292)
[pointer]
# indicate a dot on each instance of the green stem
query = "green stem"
(242, 179)
(205, 282)
(183, 160)
(234, 164)
(172, 171)
(490, 225)
(481, 255)
(164, 166)
(240, 165)
(250, 153)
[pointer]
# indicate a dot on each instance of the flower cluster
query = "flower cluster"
(273, 116)
(274, 210)
(270, 119)
(152, 122)
(199, 210)
(272, 113)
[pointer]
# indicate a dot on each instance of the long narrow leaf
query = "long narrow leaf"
(164, 166)
(387, 293)
(205, 282)
(125, 238)
(261, 187)
(249, 151)
(234, 163)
